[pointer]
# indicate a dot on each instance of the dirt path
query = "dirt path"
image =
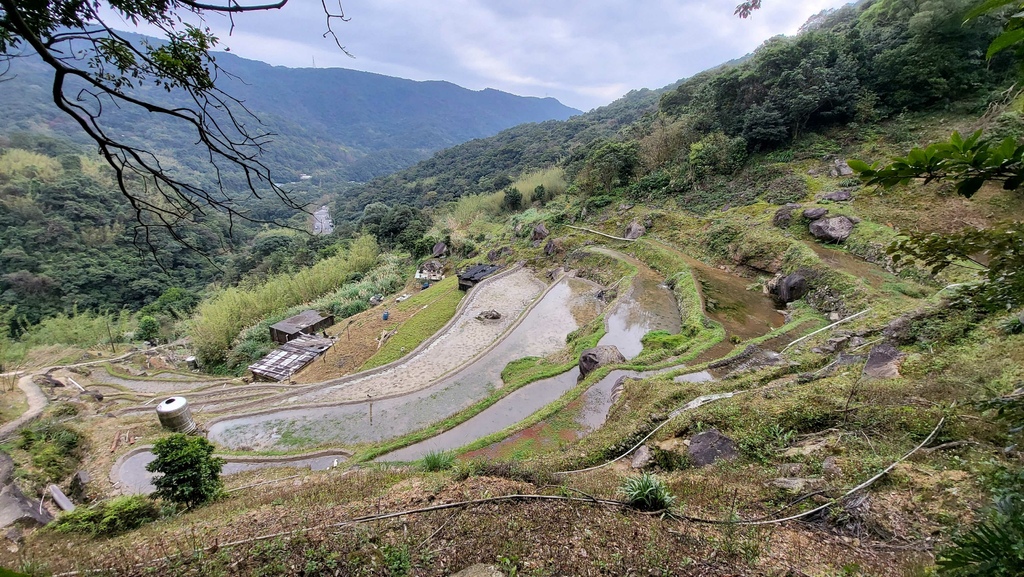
(36, 403)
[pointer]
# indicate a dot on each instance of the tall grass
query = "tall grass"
(552, 179)
(83, 329)
(220, 318)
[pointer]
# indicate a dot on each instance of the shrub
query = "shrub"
(438, 461)
(189, 473)
(993, 548)
(646, 492)
(148, 329)
(112, 517)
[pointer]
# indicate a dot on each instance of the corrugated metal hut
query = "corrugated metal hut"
(474, 274)
(290, 358)
(307, 322)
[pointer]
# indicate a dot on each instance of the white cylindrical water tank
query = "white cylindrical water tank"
(175, 415)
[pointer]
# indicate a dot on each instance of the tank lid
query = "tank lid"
(171, 405)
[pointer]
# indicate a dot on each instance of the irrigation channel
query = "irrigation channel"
(647, 305)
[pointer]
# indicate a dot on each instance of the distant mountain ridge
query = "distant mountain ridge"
(353, 125)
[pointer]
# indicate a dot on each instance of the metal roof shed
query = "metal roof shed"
(306, 322)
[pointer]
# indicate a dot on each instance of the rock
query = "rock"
(812, 171)
(831, 469)
(814, 213)
(599, 356)
(16, 509)
(791, 469)
(710, 446)
(834, 316)
(635, 230)
(848, 359)
(798, 485)
(641, 458)
(623, 207)
(479, 570)
(15, 535)
(495, 254)
(160, 363)
(540, 232)
(835, 229)
(648, 222)
(789, 288)
(674, 445)
(78, 485)
(94, 395)
(783, 217)
(805, 448)
(439, 250)
(618, 387)
(491, 315)
(843, 169)
(554, 246)
(843, 195)
(883, 362)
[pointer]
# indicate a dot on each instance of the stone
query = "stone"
(554, 246)
(798, 485)
(91, 395)
(805, 448)
(479, 570)
(789, 288)
(843, 169)
(831, 469)
(791, 469)
(635, 230)
(495, 254)
(883, 362)
(835, 229)
(674, 445)
(710, 446)
(491, 315)
(641, 458)
(599, 356)
(79, 483)
(439, 250)
(160, 363)
(814, 213)
(17, 509)
(783, 217)
(540, 232)
(842, 195)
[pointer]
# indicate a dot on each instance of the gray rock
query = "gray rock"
(791, 469)
(491, 315)
(479, 570)
(883, 362)
(835, 229)
(439, 250)
(831, 469)
(599, 356)
(710, 446)
(843, 169)
(814, 213)
(797, 485)
(540, 232)
(635, 230)
(17, 509)
(641, 458)
(495, 254)
(783, 217)
(554, 246)
(843, 195)
(786, 289)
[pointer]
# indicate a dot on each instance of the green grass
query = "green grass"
(437, 461)
(441, 300)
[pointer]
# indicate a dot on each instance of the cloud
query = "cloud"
(586, 54)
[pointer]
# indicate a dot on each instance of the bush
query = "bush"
(118, 515)
(438, 461)
(994, 548)
(53, 447)
(189, 473)
(148, 329)
(646, 492)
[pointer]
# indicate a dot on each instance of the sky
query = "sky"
(585, 54)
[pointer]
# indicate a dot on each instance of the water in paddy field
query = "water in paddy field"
(648, 305)
(541, 333)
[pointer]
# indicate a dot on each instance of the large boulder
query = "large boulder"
(641, 458)
(786, 289)
(635, 230)
(840, 169)
(710, 446)
(883, 362)
(17, 509)
(783, 216)
(540, 232)
(835, 229)
(439, 250)
(599, 356)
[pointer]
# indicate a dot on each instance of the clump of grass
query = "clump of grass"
(438, 461)
(118, 515)
(646, 493)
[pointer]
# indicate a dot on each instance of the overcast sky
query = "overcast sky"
(585, 54)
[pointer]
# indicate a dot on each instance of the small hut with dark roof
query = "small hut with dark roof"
(474, 274)
(307, 322)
